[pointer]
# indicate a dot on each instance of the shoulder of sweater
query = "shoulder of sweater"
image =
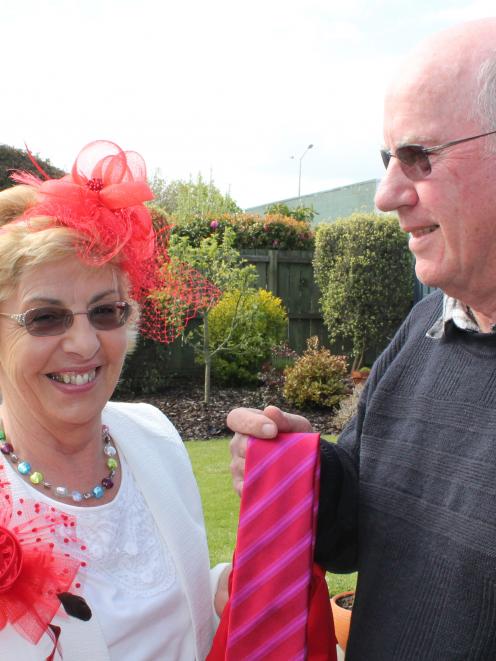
(429, 308)
(144, 417)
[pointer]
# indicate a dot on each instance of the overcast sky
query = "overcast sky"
(227, 88)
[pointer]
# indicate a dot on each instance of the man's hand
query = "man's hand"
(261, 424)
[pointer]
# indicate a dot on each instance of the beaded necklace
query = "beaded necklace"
(37, 478)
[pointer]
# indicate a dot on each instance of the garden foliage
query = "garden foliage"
(247, 328)
(276, 232)
(298, 213)
(18, 159)
(186, 200)
(317, 378)
(216, 258)
(364, 270)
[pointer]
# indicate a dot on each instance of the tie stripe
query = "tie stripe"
(275, 531)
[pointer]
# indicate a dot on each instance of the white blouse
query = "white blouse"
(130, 580)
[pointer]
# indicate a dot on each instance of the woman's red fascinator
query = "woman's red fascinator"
(102, 199)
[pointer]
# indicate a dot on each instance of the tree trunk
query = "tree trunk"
(208, 360)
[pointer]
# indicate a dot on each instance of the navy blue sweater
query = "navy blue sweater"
(408, 498)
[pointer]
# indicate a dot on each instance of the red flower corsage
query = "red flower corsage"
(35, 562)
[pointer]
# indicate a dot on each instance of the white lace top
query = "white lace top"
(130, 581)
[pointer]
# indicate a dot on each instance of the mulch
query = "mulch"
(183, 405)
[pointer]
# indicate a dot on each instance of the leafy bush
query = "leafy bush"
(317, 378)
(260, 324)
(251, 230)
(364, 270)
(298, 213)
(189, 199)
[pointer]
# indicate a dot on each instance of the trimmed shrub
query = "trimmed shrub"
(260, 323)
(317, 378)
(364, 270)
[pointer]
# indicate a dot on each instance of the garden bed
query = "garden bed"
(183, 405)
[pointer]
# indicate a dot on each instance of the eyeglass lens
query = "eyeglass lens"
(54, 321)
(413, 159)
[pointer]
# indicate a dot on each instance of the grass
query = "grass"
(210, 460)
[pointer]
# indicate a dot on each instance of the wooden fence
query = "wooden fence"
(289, 275)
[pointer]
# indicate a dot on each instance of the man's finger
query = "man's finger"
(251, 422)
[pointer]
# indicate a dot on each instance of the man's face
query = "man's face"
(451, 213)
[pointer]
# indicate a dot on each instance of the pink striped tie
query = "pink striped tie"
(274, 551)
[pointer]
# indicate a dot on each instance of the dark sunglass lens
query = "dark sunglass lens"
(47, 321)
(109, 315)
(414, 160)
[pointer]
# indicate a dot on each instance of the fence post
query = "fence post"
(272, 274)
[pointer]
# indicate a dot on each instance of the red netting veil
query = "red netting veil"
(102, 199)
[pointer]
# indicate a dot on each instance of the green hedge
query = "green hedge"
(364, 270)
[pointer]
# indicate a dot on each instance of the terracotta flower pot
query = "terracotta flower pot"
(342, 619)
(357, 376)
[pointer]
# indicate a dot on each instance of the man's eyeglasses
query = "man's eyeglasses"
(414, 159)
(51, 320)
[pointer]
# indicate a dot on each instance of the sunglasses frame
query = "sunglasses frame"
(422, 155)
(68, 318)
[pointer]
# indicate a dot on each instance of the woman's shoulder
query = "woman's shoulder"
(141, 417)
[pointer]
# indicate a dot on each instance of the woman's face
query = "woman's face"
(34, 371)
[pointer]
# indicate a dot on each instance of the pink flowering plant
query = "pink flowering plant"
(273, 231)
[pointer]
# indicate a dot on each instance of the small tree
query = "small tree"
(218, 261)
(364, 270)
(186, 200)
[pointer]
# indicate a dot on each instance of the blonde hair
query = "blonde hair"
(26, 244)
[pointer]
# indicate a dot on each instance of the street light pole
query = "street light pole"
(299, 170)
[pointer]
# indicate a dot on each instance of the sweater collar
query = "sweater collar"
(457, 313)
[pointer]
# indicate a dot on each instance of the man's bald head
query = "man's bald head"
(458, 65)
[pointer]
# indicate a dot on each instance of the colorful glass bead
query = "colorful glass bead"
(36, 477)
(109, 450)
(61, 492)
(2, 435)
(98, 491)
(24, 468)
(107, 483)
(6, 448)
(112, 463)
(77, 496)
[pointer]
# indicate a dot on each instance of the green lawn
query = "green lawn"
(210, 461)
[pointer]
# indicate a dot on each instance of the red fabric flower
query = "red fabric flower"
(34, 565)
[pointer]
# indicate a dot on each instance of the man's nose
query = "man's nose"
(396, 189)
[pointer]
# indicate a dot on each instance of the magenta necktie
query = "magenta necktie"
(267, 616)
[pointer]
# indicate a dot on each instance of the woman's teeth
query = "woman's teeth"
(74, 379)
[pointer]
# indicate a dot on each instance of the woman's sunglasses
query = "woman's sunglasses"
(55, 321)
(414, 159)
